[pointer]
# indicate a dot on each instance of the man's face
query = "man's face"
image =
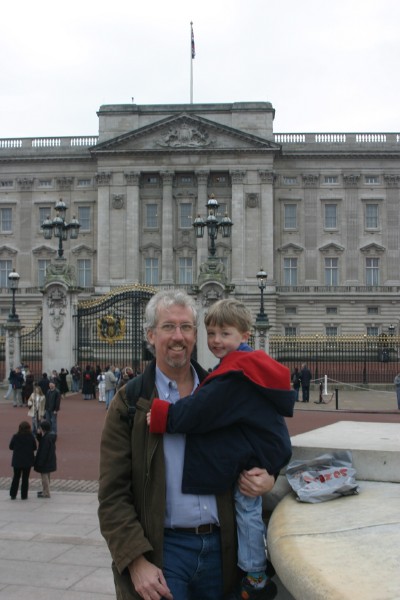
(52, 385)
(173, 348)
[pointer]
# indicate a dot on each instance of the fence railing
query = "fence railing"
(348, 359)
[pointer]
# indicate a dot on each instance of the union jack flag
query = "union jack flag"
(193, 47)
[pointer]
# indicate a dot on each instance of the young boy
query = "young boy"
(235, 421)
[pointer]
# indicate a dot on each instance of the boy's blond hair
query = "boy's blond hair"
(229, 312)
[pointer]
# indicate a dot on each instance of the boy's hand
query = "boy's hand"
(148, 418)
(255, 482)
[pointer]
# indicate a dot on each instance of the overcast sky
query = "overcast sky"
(324, 66)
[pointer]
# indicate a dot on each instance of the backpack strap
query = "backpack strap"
(133, 391)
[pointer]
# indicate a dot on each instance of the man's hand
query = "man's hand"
(255, 482)
(148, 418)
(148, 580)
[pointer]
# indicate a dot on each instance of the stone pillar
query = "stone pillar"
(103, 229)
(267, 223)
(239, 227)
(201, 209)
(60, 297)
(167, 266)
(13, 346)
(132, 227)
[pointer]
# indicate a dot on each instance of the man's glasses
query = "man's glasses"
(170, 328)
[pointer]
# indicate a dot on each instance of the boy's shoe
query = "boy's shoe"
(249, 592)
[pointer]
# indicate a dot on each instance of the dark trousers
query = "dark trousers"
(306, 393)
(24, 484)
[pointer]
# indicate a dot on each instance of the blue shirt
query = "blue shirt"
(182, 510)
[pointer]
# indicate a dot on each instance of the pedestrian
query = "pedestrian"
(76, 374)
(159, 537)
(63, 385)
(52, 406)
(46, 459)
(240, 407)
(27, 388)
(397, 384)
(23, 446)
(126, 375)
(110, 384)
(305, 378)
(101, 379)
(17, 383)
(36, 405)
(44, 383)
(296, 382)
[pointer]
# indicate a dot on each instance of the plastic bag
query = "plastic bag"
(325, 477)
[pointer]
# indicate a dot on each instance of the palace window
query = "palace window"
(331, 310)
(330, 216)
(290, 310)
(84, 272)
(290, 216)
(6, 220)
(5, 270)
(372, 330)
(372, 310)
(151, 274)
(84, 217)
(332, 179)
(185, 215)
(45, 183)
(290, 271)
(44, 212)
(151, 216)
(371, 216)
(42, 267)
(185, 275)
(372, 179)
(287, 180)
(290, 331)
(331, 330)
(372, 271)
(331, 271)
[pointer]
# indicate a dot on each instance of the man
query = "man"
(76, 374)
(17, 380)
(110, 384)
(52, 406)
(165, 543)
(305, 378)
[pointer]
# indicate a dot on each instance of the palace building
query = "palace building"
(319, 212)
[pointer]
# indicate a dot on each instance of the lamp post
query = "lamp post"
(13, 279)
(213, 225)
(61, 229)
(391, 329)
(262, 322)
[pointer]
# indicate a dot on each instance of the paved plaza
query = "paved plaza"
(52, 548)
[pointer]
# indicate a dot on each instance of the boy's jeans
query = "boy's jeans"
(251, 533)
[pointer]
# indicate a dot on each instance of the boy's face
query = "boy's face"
(222, 340)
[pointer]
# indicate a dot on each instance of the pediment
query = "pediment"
(372, 249)
(185, 133)
(83, 249)
(7, 250)
(43, 250)
(290, 249)
(331, 247)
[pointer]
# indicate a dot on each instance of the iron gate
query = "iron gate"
(109, 330)
(31, 349)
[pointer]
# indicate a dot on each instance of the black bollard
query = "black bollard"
(337, 398)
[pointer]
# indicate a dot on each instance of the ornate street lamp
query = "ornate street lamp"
(391, 329)
(13, 279)
(61, 229)
(213, 225)
(262, 322)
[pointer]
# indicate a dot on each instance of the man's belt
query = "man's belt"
(200, 530)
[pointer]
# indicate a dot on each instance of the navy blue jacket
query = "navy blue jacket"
(46, 460)
(234, 421)
(23, 446)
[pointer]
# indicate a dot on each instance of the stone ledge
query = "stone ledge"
(341, 549)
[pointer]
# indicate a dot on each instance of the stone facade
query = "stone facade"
(319, 212)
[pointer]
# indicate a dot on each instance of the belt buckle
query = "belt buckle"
(204, 529)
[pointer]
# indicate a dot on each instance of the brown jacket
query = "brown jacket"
(132, 493)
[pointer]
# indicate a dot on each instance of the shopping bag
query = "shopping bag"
(322, 478)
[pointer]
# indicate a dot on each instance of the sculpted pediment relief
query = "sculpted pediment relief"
(290, 249)
(331, 248)
(372, 249)
(185, 132)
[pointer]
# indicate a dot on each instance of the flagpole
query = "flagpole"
(192, 55)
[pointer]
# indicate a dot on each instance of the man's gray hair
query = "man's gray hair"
(166, 299)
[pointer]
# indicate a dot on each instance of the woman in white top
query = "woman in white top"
(36, 403)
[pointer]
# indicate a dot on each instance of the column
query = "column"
(13, 347)
(239, 228)
(167, 259)
(132, 225)
(103, 229)
(202, 198)
(267, 223)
